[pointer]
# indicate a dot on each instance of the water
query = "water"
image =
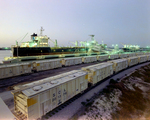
(5, 53)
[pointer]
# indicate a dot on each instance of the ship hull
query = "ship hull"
(34, 51)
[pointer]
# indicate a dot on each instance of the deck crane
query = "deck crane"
(55, 43)
(21, 39)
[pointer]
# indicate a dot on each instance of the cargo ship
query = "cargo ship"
(38, 45)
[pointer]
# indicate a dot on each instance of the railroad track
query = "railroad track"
(8, 83)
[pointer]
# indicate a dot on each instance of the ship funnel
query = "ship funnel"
(33, 36)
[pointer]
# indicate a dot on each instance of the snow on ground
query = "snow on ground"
(103, 106)
(137, 82)
(129, 86)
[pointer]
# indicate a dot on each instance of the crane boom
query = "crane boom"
(23, 37)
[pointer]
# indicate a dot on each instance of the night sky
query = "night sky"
(111, 21)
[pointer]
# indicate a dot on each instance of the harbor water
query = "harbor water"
(4, 53)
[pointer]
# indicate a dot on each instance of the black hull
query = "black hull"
(28, 51)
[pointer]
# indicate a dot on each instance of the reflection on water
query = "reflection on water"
(4, 53)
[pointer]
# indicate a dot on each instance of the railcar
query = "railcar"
(71, 61)
(89, 59)
(11, 70)
(123, 55)
(113, 56)
(33, 101)
(102, 57)
(133, 61)
(119, 64)
(46, 64)
(142, 58)
(98, 72)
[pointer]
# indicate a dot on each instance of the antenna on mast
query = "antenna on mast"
(41, 31)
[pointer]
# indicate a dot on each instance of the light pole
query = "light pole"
(85, 47)
(17, 50)
(86, 44)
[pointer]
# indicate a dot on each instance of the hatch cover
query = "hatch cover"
(37, 88)
(54, 82)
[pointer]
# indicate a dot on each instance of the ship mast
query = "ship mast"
(41, 31)
(41, 34)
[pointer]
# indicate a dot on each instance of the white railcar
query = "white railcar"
(102, 57)
(2, 71)
(142, 58)
(8, 71)
(139, 53)
(68, 61)
(78, 60)
(123, 55)
(16, 69)
(133, 60)
(146, 53)
(11, 70)
(43, 80)
(38, 65)
(148, 57)
(71, 61)
(93, 58)
(119, 64)
(46, 64)
(26, 67)
(89, 59)
(132, 54)
(35, 101)
(98, 72)
(113, 56)
(56, 63)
